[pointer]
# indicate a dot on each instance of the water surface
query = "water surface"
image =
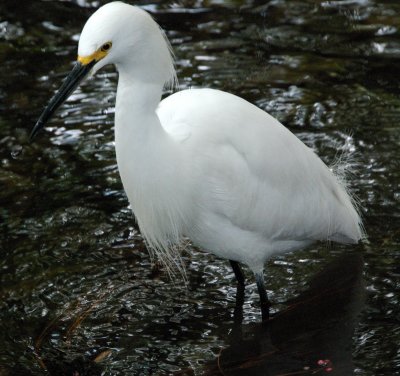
(78, 290)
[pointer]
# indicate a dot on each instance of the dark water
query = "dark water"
(79, 294)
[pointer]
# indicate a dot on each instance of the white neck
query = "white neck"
(149, 162)
(137, 125)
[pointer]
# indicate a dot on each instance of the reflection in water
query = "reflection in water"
(314, 333)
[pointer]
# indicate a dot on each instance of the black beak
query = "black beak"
(78, 73)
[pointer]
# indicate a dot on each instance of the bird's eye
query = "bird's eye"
(106, 46)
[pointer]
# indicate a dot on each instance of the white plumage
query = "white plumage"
(205, 164)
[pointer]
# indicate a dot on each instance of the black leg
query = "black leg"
(238, 312)
(238, 272)
(265, 304)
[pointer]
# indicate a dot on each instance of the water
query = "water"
(79, 294)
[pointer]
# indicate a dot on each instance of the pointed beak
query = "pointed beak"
(78, 73)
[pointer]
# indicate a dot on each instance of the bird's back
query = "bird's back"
(253, 179)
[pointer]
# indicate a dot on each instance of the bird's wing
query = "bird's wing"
(174, 118)
(254, 172)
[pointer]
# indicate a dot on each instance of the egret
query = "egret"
(203, 164)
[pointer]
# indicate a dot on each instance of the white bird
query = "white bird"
(204, 164)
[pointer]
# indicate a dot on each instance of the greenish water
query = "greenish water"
(78, 292)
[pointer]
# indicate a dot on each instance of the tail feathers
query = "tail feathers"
(344, 239)
(349, 228)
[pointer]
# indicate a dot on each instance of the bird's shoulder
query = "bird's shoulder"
(211, 113)
(191, 110)
(217, 122)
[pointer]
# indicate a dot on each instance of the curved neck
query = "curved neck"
(138, 96)
(144, 149)
(149, 162)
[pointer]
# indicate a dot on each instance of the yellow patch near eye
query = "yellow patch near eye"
(97, 56)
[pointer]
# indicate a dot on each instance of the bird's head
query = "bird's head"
(119, 34)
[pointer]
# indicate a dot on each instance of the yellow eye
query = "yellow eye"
(106, 46)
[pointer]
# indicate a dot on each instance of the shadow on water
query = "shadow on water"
(312, 335)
